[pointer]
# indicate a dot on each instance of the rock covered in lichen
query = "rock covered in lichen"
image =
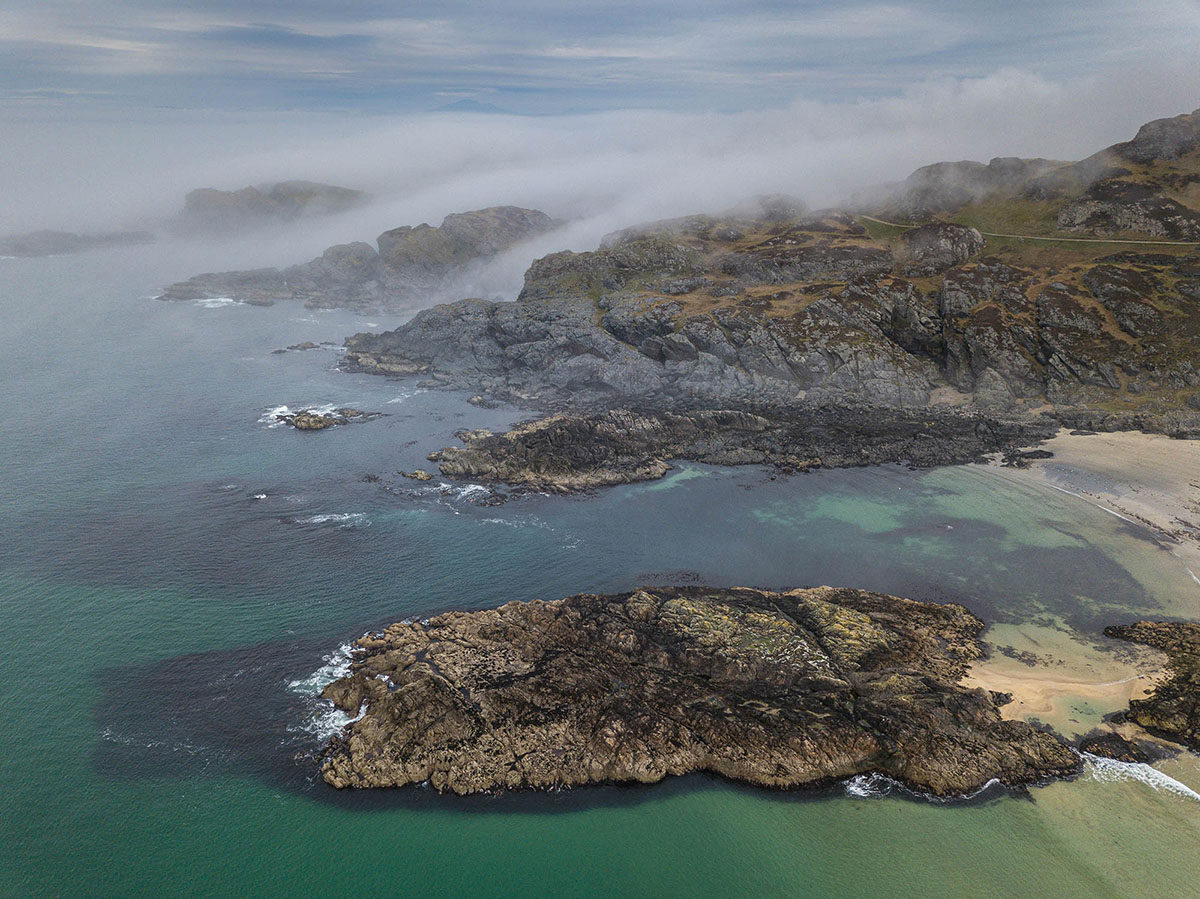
(777, 689)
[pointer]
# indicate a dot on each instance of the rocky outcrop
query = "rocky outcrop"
(210, 211)
(410, 265)
(706, 324)
(1118, 206)
(1106, 192)
(1163, 139)
(581, 452)
(1172, 710)
(946, 187)
(1113, 746)
(66, 243)
(933, 248)
(776, 689)
(310, 420)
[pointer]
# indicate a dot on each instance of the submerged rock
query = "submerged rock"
(777, 689)
(1113, 746)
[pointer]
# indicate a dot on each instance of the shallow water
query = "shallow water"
(174, 571)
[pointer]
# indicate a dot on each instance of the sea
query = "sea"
(180, 575)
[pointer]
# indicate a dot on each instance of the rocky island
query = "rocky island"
(210, 211)
(407, 265)
(791, 689)
(770, 327)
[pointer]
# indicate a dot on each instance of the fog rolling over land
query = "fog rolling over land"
(652, 448)
(598, 172)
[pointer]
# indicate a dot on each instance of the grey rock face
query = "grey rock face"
(1111, 207)
(932, 249)
(1163, 139)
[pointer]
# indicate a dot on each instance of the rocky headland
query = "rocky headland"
(792, 320)
(406, 267)
(779, 689)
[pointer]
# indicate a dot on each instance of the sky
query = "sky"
(556, 56)
(610, 113)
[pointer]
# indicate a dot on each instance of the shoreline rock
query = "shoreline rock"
(781, 690)
(567, 452)
(1172, 710)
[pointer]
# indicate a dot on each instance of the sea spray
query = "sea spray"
(325, 720)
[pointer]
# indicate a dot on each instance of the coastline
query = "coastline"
(1148, 480)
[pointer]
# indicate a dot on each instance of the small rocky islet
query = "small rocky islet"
(313, 420)
(779, 689)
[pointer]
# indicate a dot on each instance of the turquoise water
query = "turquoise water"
(173, 571)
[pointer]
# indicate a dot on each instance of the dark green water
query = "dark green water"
(173, 572)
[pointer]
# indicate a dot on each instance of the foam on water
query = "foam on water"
(869, 786)
(406, 395)
(877, 786)
(1113, 771)
(217, 302)
(270, 417)
(325, 719)
(341, 519)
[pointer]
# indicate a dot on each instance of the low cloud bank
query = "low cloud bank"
(601, 171)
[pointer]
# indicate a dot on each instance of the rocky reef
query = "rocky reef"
(67, 243)
(1172, 710)
(410, 265)
(567, 452)
(311, 420)
(210, 211)
(791, 689)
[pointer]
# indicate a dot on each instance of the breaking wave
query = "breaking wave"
(325, 720)
(341, 519)
(217, 302)
(1113, 771)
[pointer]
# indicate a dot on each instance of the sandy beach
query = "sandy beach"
(1146, 479)
(1150, 479)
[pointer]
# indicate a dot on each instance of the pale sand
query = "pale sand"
(1075, 682)
(1146, 479)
